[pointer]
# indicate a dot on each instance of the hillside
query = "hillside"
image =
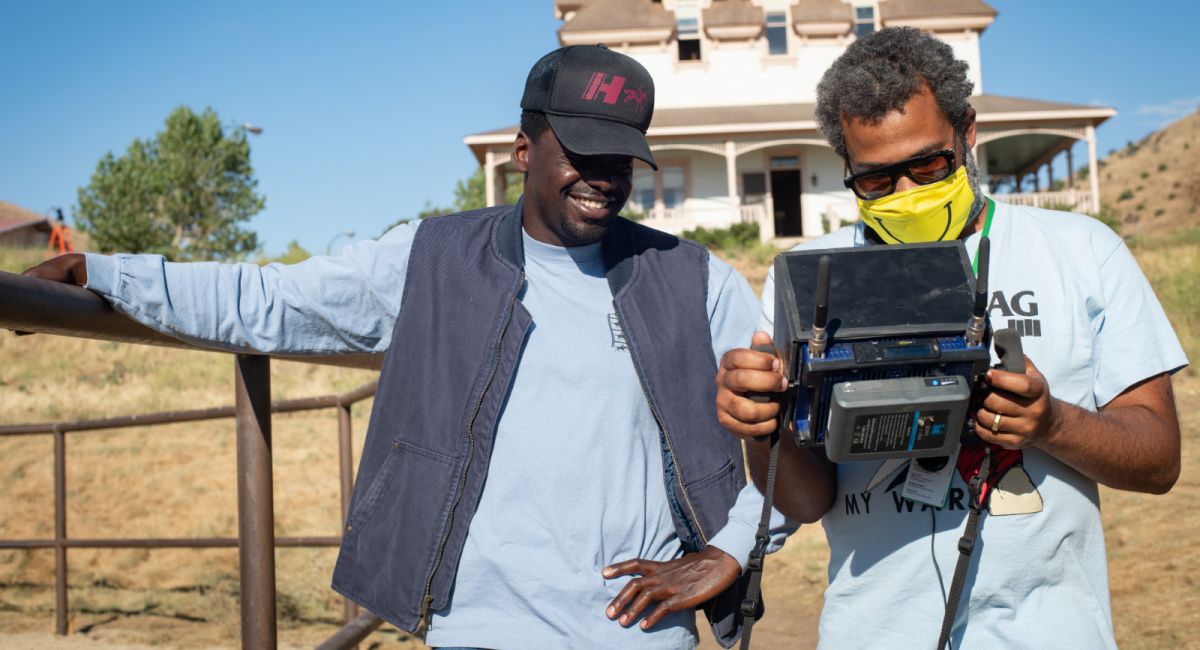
(1152, 187)
(12, 212)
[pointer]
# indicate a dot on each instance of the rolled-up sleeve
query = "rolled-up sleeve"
(325, 305)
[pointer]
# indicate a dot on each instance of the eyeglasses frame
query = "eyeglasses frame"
(902, 168)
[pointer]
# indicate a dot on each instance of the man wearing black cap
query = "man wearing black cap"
(543, 429)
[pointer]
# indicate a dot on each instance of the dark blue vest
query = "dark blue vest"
(454, 350)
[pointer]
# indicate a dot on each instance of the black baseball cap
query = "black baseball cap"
(599, 102)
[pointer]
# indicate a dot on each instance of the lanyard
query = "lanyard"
(987, 227)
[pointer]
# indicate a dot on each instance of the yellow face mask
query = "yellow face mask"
(934, 212)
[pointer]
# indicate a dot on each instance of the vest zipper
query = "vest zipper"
(666, 434)
(427, 598)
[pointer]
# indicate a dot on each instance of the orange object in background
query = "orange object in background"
(61, 234)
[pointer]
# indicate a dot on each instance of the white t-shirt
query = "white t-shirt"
(1039, 576)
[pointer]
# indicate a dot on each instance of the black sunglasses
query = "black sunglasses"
(923, 170)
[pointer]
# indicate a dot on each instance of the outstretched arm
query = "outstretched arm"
(324, 305)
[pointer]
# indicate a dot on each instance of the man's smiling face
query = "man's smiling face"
(569, 199)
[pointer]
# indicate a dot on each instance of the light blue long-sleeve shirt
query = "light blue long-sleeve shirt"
(349, 303)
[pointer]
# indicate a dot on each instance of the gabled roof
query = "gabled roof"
(14, 217)
(896, 9)
(619, 15)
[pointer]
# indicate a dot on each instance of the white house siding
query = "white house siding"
(708, 195)
(828, 196)
(735, 73)
(966, 48)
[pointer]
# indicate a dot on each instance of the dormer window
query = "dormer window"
(864, 21)
(777, 33)
(688, 30)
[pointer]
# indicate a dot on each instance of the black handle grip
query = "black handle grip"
(762, 398)
(1008, 346)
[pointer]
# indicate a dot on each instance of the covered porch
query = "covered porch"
(769, 165)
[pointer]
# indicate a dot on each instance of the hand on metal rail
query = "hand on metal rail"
(70, 268)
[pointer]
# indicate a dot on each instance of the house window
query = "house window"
(864, 21)
(642, 197)
(785, 162)
(673, 185)
(688, 30)
(777, 33)
(754, 187)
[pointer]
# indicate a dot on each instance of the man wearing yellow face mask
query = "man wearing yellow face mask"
(1094, 407)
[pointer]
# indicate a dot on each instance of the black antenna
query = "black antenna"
(816, 346)
(977, 325)
(981, 277)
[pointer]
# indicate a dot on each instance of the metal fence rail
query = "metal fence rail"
(29, 305)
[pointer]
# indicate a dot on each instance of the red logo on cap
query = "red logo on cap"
(611, 90)
(638, 97)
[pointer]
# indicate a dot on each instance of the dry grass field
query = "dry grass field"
(179, 480)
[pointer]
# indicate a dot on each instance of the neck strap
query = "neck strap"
(987, 228)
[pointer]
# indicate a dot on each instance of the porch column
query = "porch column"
(1093, 175)
(489, 178)
(1050, 175)
(1070, 168)
(731, 179)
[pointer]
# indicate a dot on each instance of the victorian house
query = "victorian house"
(734, 130)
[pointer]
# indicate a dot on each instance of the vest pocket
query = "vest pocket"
(403, 458)
(715, 477)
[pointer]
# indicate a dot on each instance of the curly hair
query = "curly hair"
(879, 73)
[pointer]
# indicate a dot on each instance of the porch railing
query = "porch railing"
(1076, 200)
(37, 306)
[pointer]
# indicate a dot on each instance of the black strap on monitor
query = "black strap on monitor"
(761, 539)
(966, 545)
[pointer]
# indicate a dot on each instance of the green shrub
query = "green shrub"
(631, 213)
(1125, 195)
(1162, 167)
(739, 236)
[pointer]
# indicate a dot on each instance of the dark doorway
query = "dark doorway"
(785, 195)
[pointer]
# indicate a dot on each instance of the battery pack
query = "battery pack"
(907, 417)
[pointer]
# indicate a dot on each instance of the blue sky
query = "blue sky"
(364, 105)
